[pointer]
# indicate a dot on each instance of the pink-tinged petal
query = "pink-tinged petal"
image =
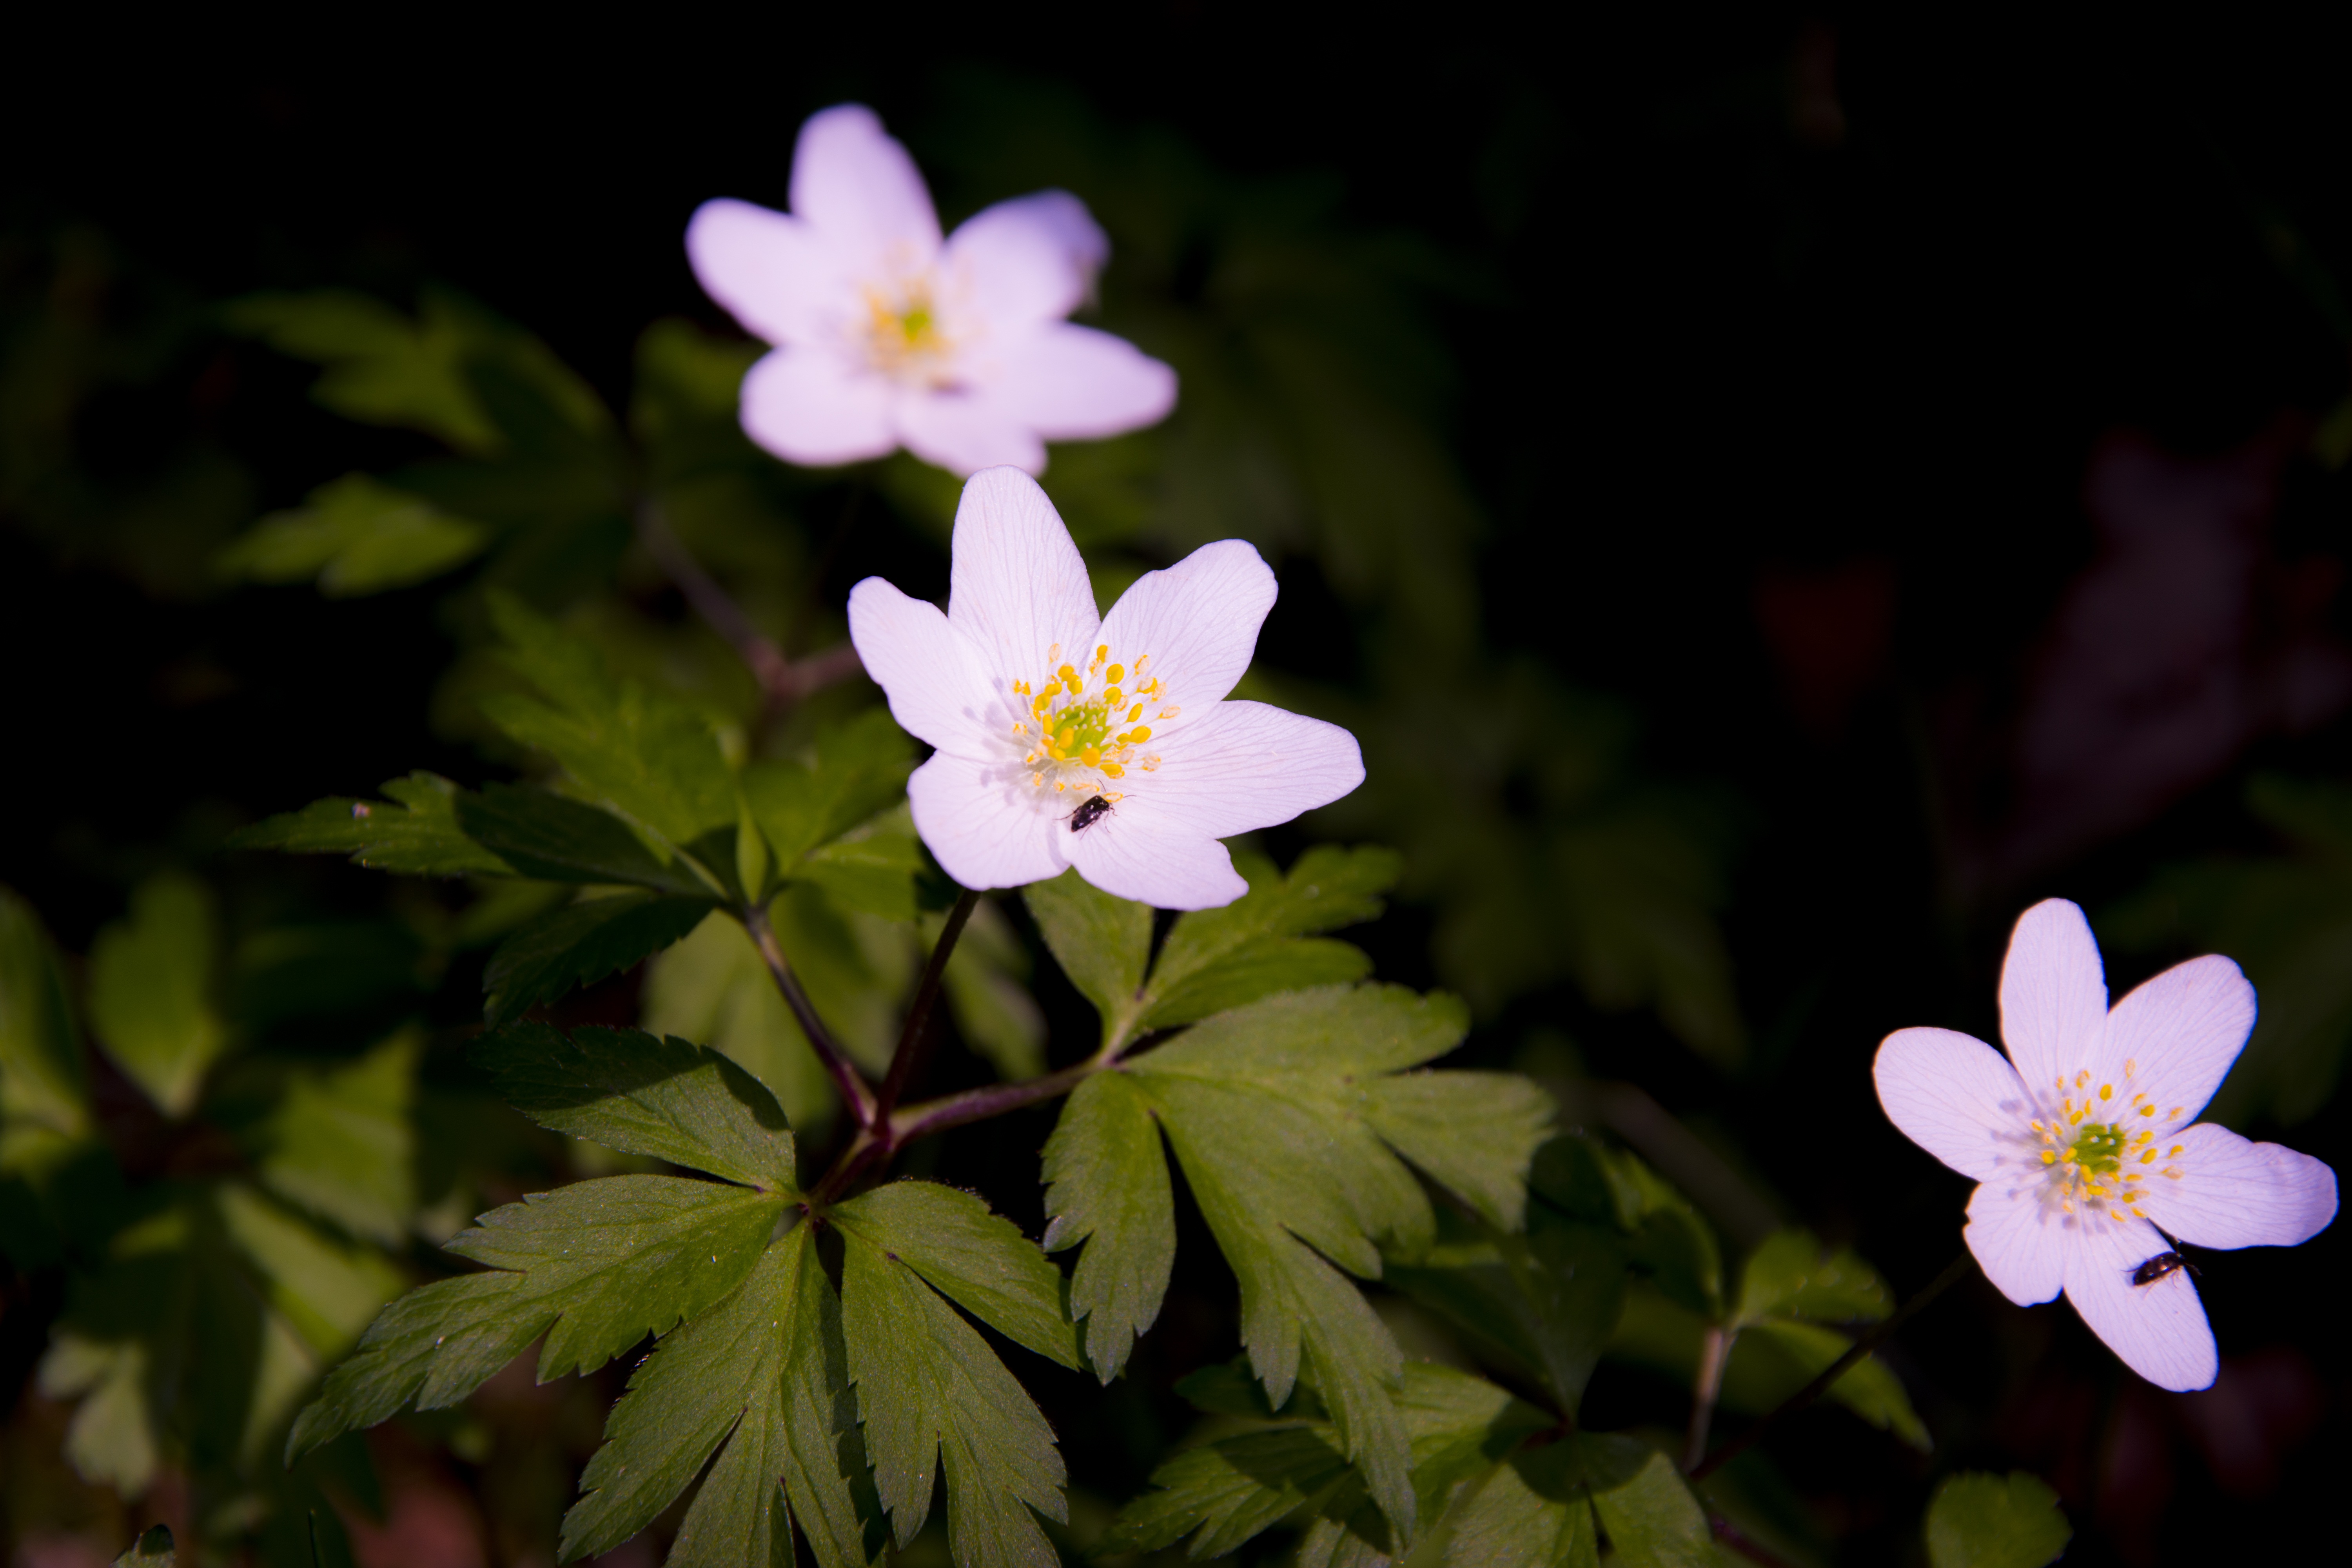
(929, 673)
(980, 823)
(2159, 1330)
(768, 269)
(1130, 860)
(1017, 585)
(1952, 1095)
(1074, 384)
(966, 430)
(1025, 261)
(2232, 1193)
(2018, 1242)
(859, 190)
(2054, 994)
(1197, 621)
(2179, 1032)
(1240, 766)
(808, 407)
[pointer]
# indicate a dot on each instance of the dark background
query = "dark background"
(1785, 349)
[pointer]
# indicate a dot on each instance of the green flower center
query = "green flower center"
(1086, 727)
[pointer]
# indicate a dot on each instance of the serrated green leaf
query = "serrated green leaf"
(1791, 1276)
(1978, 1521)
(595, 1267)
(1223, 953)
(977, 1260)
(355, 536)
(546, 836)
(934, 1399)
(643, 1094)
(340, 1142)
(1100, 942)
(639, 751)
(581, 945)
(765, 1372)
(859, 768)
(1544, 1303)
(418, 834)
(1533, 1511)
(1225, 1493)
(1473, 1131)
(1107, 1179)
(151, 978)
(1646, 1508)
(41, 1077)
(1263, 968)
(152, 1550)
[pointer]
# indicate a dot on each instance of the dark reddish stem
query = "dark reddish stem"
(837, 1065)
(784, 681)
(914, 1040)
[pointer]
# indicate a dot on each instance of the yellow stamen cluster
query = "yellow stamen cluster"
(903, 336)
(2091, 1160)
(1089, 725)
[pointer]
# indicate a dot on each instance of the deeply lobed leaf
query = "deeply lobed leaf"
(418, 833)
(582, 943)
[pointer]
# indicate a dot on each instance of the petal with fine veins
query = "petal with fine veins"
(2235, 1192)
(2180, 1031)
(1074, 384)
(2054, 992)
(806, 406)
(976, 820)
(859, 190)
(1167, 870)
(2159, 1330)
(964, 431)
(768, 269)
(1026, 261)
(934, 684)
(1952, 1095)
(1246, 765)
(1016, 583)
(2017, 1243)
(1198, 620)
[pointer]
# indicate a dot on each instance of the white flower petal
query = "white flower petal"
(978, 821)
(935, 684)
(1016, 583)
(1198, 620)
(964, 430)
(2159, 1330)
(2232, 1193)
(2054, 994)
(1134, 858)
(2180, 1032)
(808, 407)
(1244, 765)
(1070, 382)
(859, 190)
(1954, 1097)
(1025, 261)
(768, 269)
(2018, 1242)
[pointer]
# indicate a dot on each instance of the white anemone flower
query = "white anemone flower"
(2089, 1164)
(886, 336)
(1065, 738)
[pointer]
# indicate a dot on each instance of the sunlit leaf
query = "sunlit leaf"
(418, 834)
(150, 990)
(1978, 1521)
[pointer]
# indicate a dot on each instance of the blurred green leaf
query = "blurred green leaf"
(872, 869)
(581, 945)
(1101, 943)
(41, 1076)
(418, 835)
(152, 1550)
(1978, 1521)
(340, 1143)
(355, 536)
(1790, 1275)
(151, 980)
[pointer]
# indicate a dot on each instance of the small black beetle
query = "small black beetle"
(1090, 812)
(2156, 1267)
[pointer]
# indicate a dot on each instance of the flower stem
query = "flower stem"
(1714, 1353)
(914, 1040)
(784, 681)
(853, 1092)
(979, 1104)
(1876, 1335)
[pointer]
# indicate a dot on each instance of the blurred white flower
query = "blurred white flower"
(2082, 1141)
(1065, 739)
(887, 337)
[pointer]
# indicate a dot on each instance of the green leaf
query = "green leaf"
(1646, 1508)
(934, 1399)
(418, 835)
(872, 869)
(1217, 959)
(1225, 1493)
(713, 987)
(859, 768)
(595, 1267)
(1668, 1238)
(1532, 1511)
(41, 1077)
(340, 1144)
(1100, 942)
(765, 1372)
(152, 1550)
(150, 989)
(1978, 1521)
(644, 1095)
(582, 943)
(1261, 970)
(639, 751)
(977, 1260)
(1773, 1359)
(1789, 1275)
(355, 536)
(1107, 1180)
(546, 836)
